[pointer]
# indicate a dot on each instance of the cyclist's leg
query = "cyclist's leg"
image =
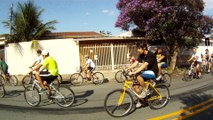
(198, 69)
(141, 81)
(159, 69)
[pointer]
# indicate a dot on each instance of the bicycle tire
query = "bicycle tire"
(26, 81)
(13, 80)
(76, 79)
(119, 77)
(166, 79)
(98, 78)
(2, 89)
(186, 76)
(64, 99)
(32, 91)
(159, 103)
(114, 109)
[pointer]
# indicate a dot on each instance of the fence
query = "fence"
(107, 56)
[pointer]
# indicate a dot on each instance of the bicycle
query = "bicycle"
(28, 80)
(77, 79)
(10, 79)
(166, 77)
(190, 74)
(63, 95)
(119, 102)
(2, 89)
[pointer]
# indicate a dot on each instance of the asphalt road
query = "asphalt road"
(194, 98)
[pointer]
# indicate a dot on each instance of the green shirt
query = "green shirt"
(51, 65)
(3, 65)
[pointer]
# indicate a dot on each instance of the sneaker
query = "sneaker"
(138, 105)
(159, 77)
(143, 94)
(43, 91)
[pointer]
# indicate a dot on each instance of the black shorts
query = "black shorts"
(91, 69)
(46, 76)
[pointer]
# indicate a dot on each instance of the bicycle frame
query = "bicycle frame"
(128, 85)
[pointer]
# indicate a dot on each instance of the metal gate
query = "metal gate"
(107, 56)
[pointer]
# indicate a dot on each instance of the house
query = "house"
(69, 49)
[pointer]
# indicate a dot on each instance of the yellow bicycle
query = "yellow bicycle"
(120, 102)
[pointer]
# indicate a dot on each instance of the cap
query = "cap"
(44, 52)
(195, 47)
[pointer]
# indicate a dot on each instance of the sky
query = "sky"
(78, 15)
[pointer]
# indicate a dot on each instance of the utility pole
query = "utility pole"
(11, 20)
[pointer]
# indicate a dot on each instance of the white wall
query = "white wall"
(65, 51)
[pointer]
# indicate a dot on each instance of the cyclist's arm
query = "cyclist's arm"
(161, 58)
(142, 67)
(37, 67)
(133, 65)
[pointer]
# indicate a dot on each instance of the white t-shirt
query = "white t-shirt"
(39, 59)
(90, 63)
(197, 55)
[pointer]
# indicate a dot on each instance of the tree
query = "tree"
(179, 23)
(27, 25)
(107, 33)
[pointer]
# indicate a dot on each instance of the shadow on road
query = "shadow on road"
(13, 93)
(200, 104)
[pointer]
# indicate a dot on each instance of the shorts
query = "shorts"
(46, 76)
(196, 63)
(148, 74)
(91, 69)
(163, 65)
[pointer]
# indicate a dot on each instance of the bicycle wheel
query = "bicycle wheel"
(157, 102)
(76, 79)
(166, 79)
(98, 78)
(64, 96)
(119, 77)
(2, 89)
(13, 80)
(26, 81)
(32, 96)
(118, 104)
(187, 76)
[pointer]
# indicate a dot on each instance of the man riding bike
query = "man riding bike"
(207, 59)
(197, 60)
(161, 59)
(4, 68)
(48, 76)
(148, 70)
(89, 66)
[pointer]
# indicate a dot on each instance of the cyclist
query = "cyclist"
(4, 68)
(148, 70)
(89, 66)
(38, 60)
(197, 60)
(131, 59)
(207, 59)
(161, 59)
(46, 76)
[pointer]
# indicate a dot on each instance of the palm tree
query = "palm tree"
(27, 25)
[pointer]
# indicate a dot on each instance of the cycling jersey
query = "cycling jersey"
(50, 64)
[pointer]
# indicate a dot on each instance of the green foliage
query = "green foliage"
(27, 24)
